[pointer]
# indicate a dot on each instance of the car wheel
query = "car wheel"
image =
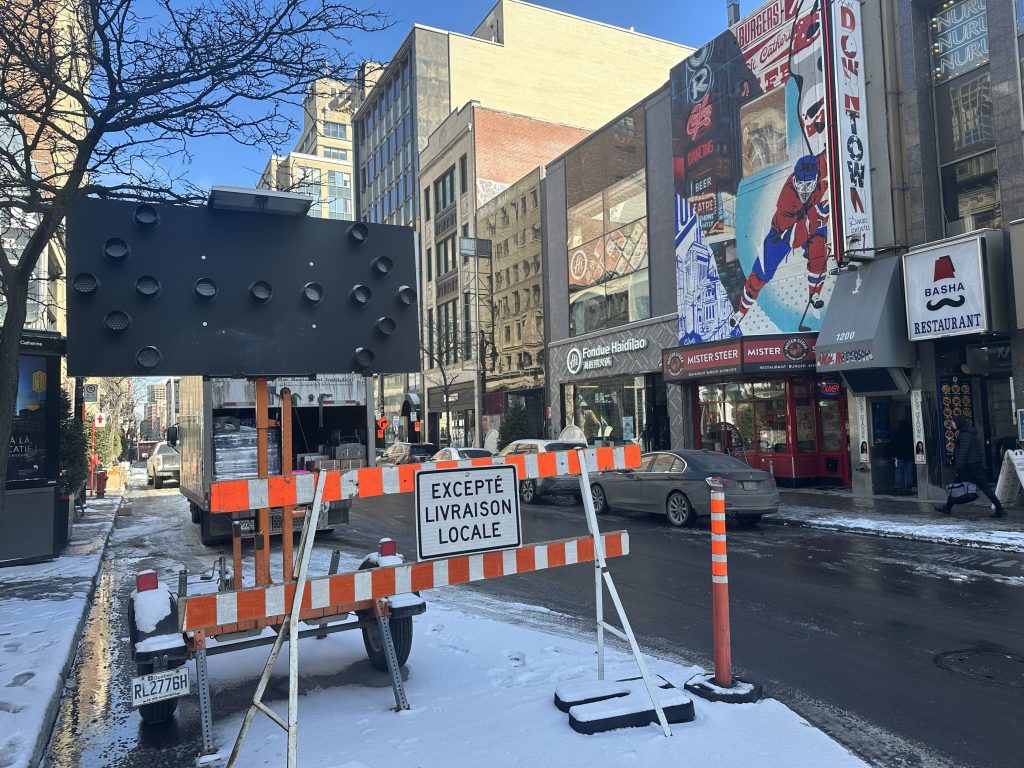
(600, 500)
(748, 520)
(149, 480)
(679, 510)
(528, 492)
(158, 482)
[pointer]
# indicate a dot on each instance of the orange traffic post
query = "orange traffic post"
(721, 685)
(720, 592)
(286, 470)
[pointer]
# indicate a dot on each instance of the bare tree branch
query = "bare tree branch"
(104, 97)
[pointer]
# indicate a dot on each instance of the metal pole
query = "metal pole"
(205, 707)
(305, 550)
(720, 593)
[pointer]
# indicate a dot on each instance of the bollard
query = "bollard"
(721, 686)
(720, 593)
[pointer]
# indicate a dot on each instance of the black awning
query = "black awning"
(865, 325)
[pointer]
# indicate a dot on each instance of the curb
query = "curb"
(53, 708)
(890, 534)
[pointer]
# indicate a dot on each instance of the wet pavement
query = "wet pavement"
(908, 652)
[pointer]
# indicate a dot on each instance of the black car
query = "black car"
(406, 453)
(678, 484)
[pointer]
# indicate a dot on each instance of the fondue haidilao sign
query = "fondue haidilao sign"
(782, 353)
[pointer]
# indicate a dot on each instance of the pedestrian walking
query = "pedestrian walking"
(969, 459)
(903, 455)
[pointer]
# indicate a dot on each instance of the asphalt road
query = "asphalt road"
(909, 653)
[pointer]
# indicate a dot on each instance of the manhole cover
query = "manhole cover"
(988, 666)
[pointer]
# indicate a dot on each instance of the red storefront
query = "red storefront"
(761, 398)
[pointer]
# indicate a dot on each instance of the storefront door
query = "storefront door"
(835, 457)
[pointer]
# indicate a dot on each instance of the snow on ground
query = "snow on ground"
(482, 693)
(42, 607)
(985, 534)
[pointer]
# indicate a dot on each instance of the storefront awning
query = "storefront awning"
(865, 325)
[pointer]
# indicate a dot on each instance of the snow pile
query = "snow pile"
(150, 607)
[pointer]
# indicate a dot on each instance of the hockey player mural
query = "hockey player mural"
(754, 201)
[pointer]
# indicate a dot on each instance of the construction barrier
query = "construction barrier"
(281, 491)
(330, 595)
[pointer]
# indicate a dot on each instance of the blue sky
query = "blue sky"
(692, 22)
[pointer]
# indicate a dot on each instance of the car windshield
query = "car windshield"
(474, 453)
(423, 450)
(564, 446)
(716, 462)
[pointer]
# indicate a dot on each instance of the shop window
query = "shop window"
(609, 411)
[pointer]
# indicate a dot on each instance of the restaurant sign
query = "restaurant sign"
(784, 353)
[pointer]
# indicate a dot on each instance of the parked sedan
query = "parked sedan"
(406, 453)
(460, 454)
(530, 491)
(163, 464)
(678, 484)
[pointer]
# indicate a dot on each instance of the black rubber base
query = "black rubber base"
(634, 709)
(741, 692)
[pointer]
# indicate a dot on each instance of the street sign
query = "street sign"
(383, 423)
(100, 420)
(462, 511)
(91, 393)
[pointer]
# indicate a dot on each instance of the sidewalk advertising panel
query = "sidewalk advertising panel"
(770, 159)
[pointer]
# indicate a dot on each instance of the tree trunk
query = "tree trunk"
(10, 335)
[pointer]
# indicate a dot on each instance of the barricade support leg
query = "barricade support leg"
(602, 569)
(205, 705)
(380, 609)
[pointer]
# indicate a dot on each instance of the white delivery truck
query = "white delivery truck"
(332, 428)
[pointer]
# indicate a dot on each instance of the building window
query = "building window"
(426, 203)
(959, 33)
(445, 260)
(467, 325)
(444, 190)
(339, 195)
(308, 183)
(430, 266)
(430, 338)
(335, 153)
(463, 175)
(606, 194)
(333, 130)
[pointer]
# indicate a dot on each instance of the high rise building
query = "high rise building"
(321, 163)
(517, 61)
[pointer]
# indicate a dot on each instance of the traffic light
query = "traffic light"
(156, 289)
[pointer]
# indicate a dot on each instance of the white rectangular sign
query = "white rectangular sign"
(462, 511)
(945, 291)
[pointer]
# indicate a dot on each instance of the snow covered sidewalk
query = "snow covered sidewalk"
(43, 608)
(970, 525)
(482, 693)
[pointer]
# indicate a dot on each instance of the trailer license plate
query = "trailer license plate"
(159, 686)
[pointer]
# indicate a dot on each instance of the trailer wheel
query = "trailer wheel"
(401, 635)
(193, 509)
(158, 711)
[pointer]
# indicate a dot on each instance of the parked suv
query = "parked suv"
(163, 464)
(531, 490)
(406, 453)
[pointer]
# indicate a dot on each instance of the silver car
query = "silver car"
(163, 464)
(460, 454)
(678, 484)
(530, 491)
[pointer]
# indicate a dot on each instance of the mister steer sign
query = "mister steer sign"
(461, 511)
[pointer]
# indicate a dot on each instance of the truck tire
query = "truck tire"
(401, 636)
(158, 711)
(208, 538)
(193, 509)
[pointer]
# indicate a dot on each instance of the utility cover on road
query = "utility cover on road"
(462, 511)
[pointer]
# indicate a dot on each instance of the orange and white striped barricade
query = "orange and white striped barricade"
(270, 605)
(721, 685)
